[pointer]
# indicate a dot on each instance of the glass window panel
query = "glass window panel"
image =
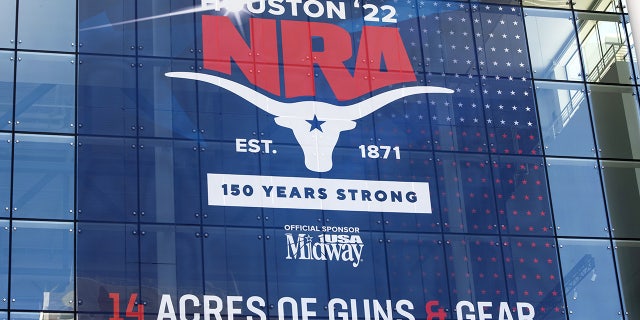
(590, 278)
(597, 5)
(43, 180)
(40, 315)
(167, 106)
(632, 45)
(107, 188)
(100, 28)
(565, 119)
(561, 4)
(533, 274)
(475, 269)
(553, 44)
(167, 36)
(223, 158)
(6, 89)
(616, 121)
(622, 189)
(628, 258)
(5, 173)
(465, 188)
(604, 46)
(45, 93)
(353, 279)
(170, 263)
(4, 265)
(447, 32)
(107, 95)
(417, 270)
(225, 116)
(36, 285)
(169, 181)
(419, 167)
(457, 120)
(113, 268)
(234, 263)
(511, 119)
(291, 274)
(502, 44)
(512, 2)
(522, 195)
(47, 25)
(402, 123)
(578, 203)
(8, 24)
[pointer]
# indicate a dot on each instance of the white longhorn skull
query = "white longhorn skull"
(317, 142)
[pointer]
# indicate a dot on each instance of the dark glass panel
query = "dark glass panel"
(107, 262)
(107, 179)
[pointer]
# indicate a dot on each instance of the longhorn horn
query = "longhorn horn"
(366, 107)
(261, 101)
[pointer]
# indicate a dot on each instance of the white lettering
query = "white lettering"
(467, 304)
(183, 306)
(530, 313)
(166, 310)
(256, 310)
(208, 311)
(294, 308)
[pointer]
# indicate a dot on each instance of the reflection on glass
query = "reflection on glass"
(45, 93)
(552, 44)
(417, 269)
(168, 171)
(170, 263)
(533, 274)
(242, 272)
(565, 119)
(472, 270)
(4, 263)
(8, 24)
(167, 37)
(465, 184)
(106, 95)
(616, 121)
(36, 285)
(562, 4)
(622, 189)
(47, 25)
(604, 48)
(111, 268)
(292, 277)
(106, 187)
(6, 89)
(578, 204)
(589, 279)
(522, 195)
(5, 173)
(342, 274)
(598, 5)
(628, 258)
(43, 180)
(167, 105)
(97, 32)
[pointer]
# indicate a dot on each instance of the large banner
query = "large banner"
(305, 159)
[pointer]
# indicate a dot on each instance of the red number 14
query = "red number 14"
(130, 306)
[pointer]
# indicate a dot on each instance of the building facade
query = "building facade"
(312, 159)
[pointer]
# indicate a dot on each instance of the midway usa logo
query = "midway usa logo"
(325, 246)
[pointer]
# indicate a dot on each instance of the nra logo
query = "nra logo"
(381, 60)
